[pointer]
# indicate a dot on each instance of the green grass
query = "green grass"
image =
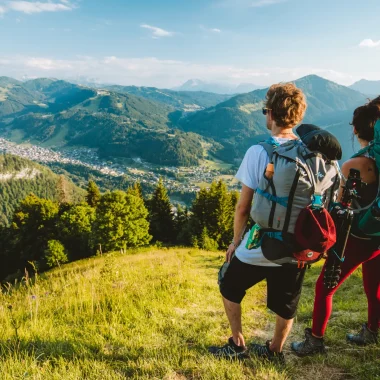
(17, 135)
(152, 315)
(215, 164)
(58, 139)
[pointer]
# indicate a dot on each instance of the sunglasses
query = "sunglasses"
(266, 110)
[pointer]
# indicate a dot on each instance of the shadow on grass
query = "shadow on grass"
(43, 350)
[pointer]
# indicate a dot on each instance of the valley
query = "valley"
(176, 179)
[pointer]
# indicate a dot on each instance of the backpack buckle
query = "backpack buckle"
(317, 201)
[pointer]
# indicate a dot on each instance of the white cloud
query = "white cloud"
(2, 11)
(157, 32)
(30, 7)
(47, 64)
(161, 73)
(369, 43)
(212, 30)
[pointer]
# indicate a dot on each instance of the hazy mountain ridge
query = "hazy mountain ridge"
(188, 101)
(368, 87)
(238, 122)
(218, 88)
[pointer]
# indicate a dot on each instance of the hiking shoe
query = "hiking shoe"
(229, 351)
(264, 352)
(310, 346)
(364, 337)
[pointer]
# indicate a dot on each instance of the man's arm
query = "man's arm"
(242, 211)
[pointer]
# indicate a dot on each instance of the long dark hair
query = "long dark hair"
(365, 118)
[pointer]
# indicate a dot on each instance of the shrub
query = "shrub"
(55, 253)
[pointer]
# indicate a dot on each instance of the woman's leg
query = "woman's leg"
(371, 281)
(357, 251)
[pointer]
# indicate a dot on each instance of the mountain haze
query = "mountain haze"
(368, 87)
(218, 88)
(188, 101)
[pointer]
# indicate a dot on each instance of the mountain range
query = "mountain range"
(238, 122)
(165, 127)
(188, 101)
(368, 87)
(218, 88)
(59, 113)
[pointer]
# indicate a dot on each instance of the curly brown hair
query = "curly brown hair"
(365, 118)
(287, 103)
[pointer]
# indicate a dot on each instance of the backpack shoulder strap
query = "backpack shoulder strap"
(269, 145)
(367, 149)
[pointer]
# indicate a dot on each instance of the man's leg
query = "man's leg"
(284, 290)
(234, 280)
(281, 332)
(233, 311)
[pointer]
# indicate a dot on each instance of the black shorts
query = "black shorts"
(284, 284)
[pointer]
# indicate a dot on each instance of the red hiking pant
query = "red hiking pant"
(358, 251)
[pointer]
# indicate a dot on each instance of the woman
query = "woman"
(360, 249)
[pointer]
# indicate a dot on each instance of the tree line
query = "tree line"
(45, 233)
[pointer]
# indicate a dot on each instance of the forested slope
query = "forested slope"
(20, 177)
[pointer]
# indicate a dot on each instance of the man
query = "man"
(284, 109)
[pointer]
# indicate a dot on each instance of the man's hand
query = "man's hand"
(230, 251)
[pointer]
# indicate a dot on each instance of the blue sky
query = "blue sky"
(165, 42)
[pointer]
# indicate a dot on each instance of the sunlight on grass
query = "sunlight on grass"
(152, 315)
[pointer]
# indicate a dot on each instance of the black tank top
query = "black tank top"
(368, 193)
(367, 196)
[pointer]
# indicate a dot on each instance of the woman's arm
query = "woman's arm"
(365, 165)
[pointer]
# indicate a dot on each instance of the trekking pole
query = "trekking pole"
(343, 216)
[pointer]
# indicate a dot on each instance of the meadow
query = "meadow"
(151, 314)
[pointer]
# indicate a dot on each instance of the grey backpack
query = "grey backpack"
(302, 179)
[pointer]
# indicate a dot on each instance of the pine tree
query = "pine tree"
(136, 190)
(93, 194)
(214, 209)
(160, 215)
(181, 225)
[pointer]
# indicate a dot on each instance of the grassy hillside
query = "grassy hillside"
(14, 97)
(152, 314)
(20, 177)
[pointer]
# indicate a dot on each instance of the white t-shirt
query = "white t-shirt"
(251, 170)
